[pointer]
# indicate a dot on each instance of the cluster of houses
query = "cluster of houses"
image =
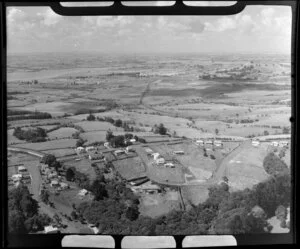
(127, 150)
(279, 143)
(159, 160)
(22, 176)
(53, 178)
(216, 143)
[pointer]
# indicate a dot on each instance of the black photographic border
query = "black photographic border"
(54, 240)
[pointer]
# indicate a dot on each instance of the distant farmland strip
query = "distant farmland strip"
(20, 115)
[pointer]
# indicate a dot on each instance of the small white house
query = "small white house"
(274, 143)
(132, 140)
(149, 151)
(22, 169)
(255, 143)
(80, 149)
(106, 144)
(218, 143)
(83, 192)
(199, 142)
(52, 175)
(54, 183)
(160, 160)
(155, 155)
(51, 229)
(90, 148)
(16, 177)
(64, 185)
(283, 143)
(96, 156)
(119, 152)
(171, 165)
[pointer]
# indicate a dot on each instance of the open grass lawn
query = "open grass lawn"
(130, 168)
(60, 152)
(155, 205)
(83, 166)
(246, 168)
(194, 194)
(50, 145)
(64, 132)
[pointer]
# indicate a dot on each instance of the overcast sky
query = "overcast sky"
(257, 29)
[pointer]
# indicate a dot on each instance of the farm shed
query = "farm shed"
(132, 140)
(179, 152)
(96, 156)
(151, 188)
(218, 143)
(274, 143)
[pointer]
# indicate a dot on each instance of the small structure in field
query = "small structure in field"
(179, 152)
(54, 183)
(255, 143)
(275, 143)
(119, 152)
(51, 229)
(155, 155)
(16, 177)
(90, 148)
(149, 151)
(209, 142)
(21, 169)
(160, 160)
(64, 185)
(129, 149)
(199, 142)
(106, 144)
(218, 143)
(96, 156)
(83, 192)
(94, 228)
(170, 165)
(283, 143)
(80, 149)
(151, 188)
(132, 140)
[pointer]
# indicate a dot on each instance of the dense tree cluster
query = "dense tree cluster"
(121, 140)
(31, 135)
(91, 117)
(51, 161)
(23, 216)
(222, 213)
(20, 115)
(273, 165)
(159, 129)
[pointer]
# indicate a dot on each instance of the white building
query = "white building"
(129, 149)
(283, 143)
(16, 177)
(132, 140)
(90, 148)
(199, 142)
(64, 185)
(155, 155)
(51, 229)
(160, 160)
(106, 144)
(171, 165)
(274, 143)
(149, 151)
(179, 152)
(255, 143)
(54, 183)
(21, 169)
(80, 149)
(83, 192)
(218, 143)
(119, 152)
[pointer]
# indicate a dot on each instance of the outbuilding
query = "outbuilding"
(160, 160)
(90, 148)
(83, 192)
(22, 169)
(51, 229)
(255, 143)
(119, 152)
(54, 183)
(155, 155)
